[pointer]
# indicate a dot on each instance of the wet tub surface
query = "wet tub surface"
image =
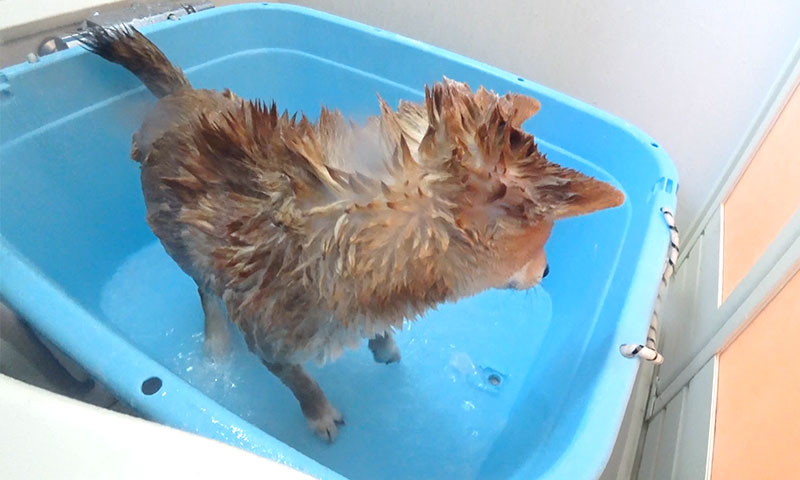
(501, 385)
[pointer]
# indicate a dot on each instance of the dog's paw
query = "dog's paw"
(327, 425)
(387, 355)
(384, 349)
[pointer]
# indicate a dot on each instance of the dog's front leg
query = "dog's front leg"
(323, 418)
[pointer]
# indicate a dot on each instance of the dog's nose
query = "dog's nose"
(546, 270)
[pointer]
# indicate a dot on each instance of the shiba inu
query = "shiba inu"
(310, 236)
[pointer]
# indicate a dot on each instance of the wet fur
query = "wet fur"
(316, 235)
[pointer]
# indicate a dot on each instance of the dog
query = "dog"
(311, 236)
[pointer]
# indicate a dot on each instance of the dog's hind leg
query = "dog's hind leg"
(322, 417)
(218, 341)
(384, 349)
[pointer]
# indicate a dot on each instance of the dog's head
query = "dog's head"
(515, 228)
(507, 195)
(519, 259)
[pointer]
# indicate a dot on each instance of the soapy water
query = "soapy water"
(435, 414)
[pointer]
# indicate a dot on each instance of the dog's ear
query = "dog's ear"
(524, 107)
(585, 195)
(514, 108)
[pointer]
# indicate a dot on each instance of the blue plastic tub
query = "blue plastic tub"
(79, 262)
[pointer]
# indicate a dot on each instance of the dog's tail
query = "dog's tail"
(129, 48)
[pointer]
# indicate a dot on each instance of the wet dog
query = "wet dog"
(311, 236)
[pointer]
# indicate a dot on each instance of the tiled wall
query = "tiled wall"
(757, 431)
(764, 199)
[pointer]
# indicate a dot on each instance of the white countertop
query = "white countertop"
(48, 436)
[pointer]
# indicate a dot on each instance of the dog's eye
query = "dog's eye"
(546, 270)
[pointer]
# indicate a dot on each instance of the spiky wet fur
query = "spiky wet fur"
(318, 234)
(310, 256)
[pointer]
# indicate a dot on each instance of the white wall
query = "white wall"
(16, 15)
(691, 73)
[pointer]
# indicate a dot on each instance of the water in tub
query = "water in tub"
(433, 415)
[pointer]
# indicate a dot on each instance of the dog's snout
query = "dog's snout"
(546, 270)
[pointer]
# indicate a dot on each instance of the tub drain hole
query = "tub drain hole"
(151, 385)
(494, 379)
